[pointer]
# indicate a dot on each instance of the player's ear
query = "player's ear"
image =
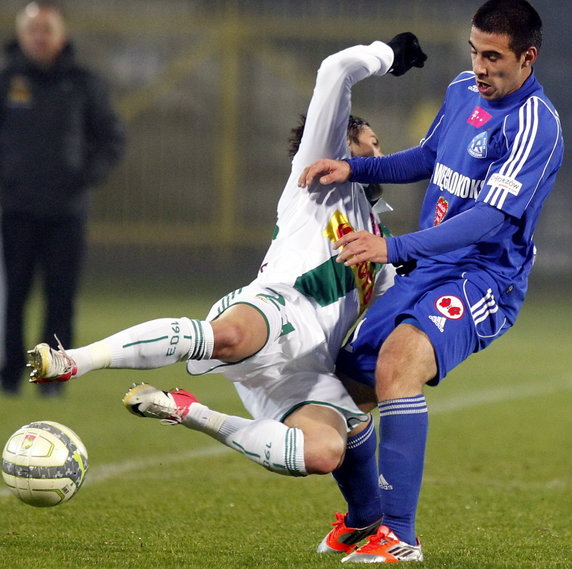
(530, 56)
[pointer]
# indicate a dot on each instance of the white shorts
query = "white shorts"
(293, 369)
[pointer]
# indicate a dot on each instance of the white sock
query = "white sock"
(269, 443)
(149, 345)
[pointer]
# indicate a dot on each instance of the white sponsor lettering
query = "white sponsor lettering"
(510, 185)
(455, 183)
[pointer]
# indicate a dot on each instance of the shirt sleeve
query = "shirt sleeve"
(399, 168)
(471, 226)
(532, 139)
(326, 126)
(404, 167)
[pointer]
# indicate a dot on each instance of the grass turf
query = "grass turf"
(497, 490)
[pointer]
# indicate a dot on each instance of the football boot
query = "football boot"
(49, 365)
(145, 400)
(343, 539)
(385, 547)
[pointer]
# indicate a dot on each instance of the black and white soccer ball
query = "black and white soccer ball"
(44, 463)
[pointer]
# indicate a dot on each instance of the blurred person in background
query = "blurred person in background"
(59, 137)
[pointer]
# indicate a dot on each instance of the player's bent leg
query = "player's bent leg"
(267, 442)
(325, 435)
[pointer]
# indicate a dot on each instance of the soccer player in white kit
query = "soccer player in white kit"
(278, 337)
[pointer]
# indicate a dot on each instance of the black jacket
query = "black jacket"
(59, 135)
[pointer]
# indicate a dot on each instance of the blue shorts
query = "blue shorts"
(460, 316)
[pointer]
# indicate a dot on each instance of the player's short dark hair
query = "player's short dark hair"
(516, 19)
(355, 126)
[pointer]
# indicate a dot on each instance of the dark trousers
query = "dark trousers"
(54, 248)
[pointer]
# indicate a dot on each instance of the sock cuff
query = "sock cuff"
(203, 335)
(294, 452)
(403, 406)
(361, 438)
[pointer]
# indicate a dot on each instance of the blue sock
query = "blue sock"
(357, 479)
(403, 427)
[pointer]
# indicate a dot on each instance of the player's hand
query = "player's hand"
(407, 53)
(328, 171)
(361, 246)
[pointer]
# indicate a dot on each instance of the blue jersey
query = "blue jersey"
(504, 153)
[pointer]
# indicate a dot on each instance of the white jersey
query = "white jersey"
(311, 219)
(316, 299)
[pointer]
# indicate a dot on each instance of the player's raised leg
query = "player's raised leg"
(149, 345)
(238, 333)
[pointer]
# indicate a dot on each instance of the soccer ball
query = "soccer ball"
(44, 463)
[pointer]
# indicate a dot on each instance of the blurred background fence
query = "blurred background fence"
(210, 89)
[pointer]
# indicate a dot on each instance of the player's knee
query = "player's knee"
(406, 362)
(229, 339)
(325, 455)
(399, 384)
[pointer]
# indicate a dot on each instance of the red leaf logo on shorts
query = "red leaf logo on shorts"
(450, 306)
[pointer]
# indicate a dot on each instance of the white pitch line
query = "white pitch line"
(116, 469)
(466, 401)
(105, 472)
(500, 394)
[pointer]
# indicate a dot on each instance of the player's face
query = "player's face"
(368, 144)
(498, 70)
(41, 34)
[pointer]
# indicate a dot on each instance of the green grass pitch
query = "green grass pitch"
(497, 490)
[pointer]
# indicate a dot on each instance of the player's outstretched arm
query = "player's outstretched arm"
(407, 54)
(327, 171)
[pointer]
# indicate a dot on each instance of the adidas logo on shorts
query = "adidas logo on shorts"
(439, 321)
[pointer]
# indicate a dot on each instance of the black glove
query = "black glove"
(408, 53)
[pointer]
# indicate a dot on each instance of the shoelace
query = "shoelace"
(176, 415)
(69, 363)
(177, 418)
(340, 519)
(377, 539)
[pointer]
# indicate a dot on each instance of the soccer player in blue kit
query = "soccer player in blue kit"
(491, 157)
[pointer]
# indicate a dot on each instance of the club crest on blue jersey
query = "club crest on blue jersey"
(478, 146)
(441, 210)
